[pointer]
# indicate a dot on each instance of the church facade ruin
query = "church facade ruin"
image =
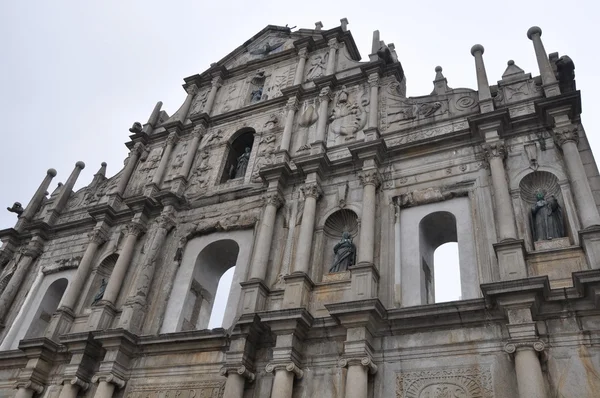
(309, 175)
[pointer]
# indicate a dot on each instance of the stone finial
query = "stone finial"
(51, 172)
(376, 43)
(57, 189)
(549, 82)
(533, 31)
(514, 73)
(136, 128)
(318, 26)
(344, 22)
(102, 170)
(438, 73)
(477, 48)
(80, 165)
(486, 103)
(440, 83)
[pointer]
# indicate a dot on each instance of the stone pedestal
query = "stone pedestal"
(60, 323)
(254, 295)
(590, 240)
(298, 287)
(101, 316)
(511, 259)
(364, 281)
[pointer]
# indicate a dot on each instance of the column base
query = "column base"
(364, 281)
(102, 316)
(60, 323)
(372, 134)
(254, 296)
(298, 287)
(282, 156)
(511, 259)
(590, 240)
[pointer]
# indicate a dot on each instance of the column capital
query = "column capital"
(333, 43)
(312, 190)
(292, 104)
(135, 228)
(217, 82)
(198, 131)
(273, 199)
(494, 149)
(110, 378)
(514, 346)
(566, 134)
(138, 148)
(192, 89)
(326, 94)
(289, 366)
(370, 177)
(172, 138)
(33, 249)
(303, 52)
(242, 370)
(30, 385)
(98, 236)
(373, 79)
(76, 381)
(367, 362)
(165, 221)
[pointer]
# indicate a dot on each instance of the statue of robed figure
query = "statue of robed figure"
(344, 254)
(100, 293)
(546, 218)
(242, 164)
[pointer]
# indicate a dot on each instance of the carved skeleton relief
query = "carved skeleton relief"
(456, 382)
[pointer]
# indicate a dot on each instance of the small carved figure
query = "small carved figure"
(100, 293)
(16, 208)
(136, 128)
(317, 67)
(242, 164)
(266, 49)
(179, 251)
(344, 254)
(547, 220)
(256, 95)
(566, 74)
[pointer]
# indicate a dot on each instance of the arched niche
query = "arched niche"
(338, 222)
(205, 259)
(422, 230)
(239, 148)
(102, 271)
(47, 307)
(525, 199)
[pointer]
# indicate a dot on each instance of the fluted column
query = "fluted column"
(333, 46)
(273, 201)
(191, 90)
(69, 300)
(283, 383)
(357, 377)
(134, 155)
(486, 104)
(37, 198)
(28, 255)
(528, 369)
(495, 153)
(373, 105)
(550, 84)
(567, 138)
(324, 96)
(311, 191)
(134, 230)
(133, 312)
(291, 108)
(302, 56)
(370, 180)
(236, 380)
(164, 160)
(197, 133)
(210, 101)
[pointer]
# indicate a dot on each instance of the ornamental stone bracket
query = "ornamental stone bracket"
(289, 366)
(240, 370)
(109, 378)
(367, 362)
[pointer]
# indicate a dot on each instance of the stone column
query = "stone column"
(236, 380)
(134, 230)
(191, 90)
(197, 134)
(291, 108)
(28, 389)
(66, 190)
(107, 385)
(550, 84)
(134, 155)
(302, 56)
(370, 180)
(37, 198)
(71, 388)
(530, 379)
(324, 96)
(373, 105)
(133, 312)
(210, 101)
(333, 46)
(567, 139)
(311, 191)
(495, 153)
(397, 254)
(486, 104)
(357, 377)
(164, 160)
(28, 255)
(283, 384)
(258, 269)
(69, 300)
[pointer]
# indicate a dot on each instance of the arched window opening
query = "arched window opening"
(221, 299)
(436, 230)
(447, 273)
(238, 156)
(211, 264)
(47, 307)
(99, 281)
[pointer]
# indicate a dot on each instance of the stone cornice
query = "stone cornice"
(180, 342)
(498, 120)
(570, 101)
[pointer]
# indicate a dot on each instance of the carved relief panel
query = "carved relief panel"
(348, 115)
(200, 101)
(200, 389)
(316, 65)
(460, 382)
(306, 124)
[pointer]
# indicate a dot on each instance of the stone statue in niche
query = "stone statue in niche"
(101, 291)
(16, 208)
(242, 164)
(257, 85)
(547, 219)
(344, 254)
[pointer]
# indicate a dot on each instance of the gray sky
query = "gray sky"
(75, 75)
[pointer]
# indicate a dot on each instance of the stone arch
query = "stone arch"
(556, 171)
(236, 146)
(102, 271)
(46, 308)
(204, 260)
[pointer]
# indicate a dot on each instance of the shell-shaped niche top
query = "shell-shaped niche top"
(539, 181)
(340, 221)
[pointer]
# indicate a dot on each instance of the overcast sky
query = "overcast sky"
(76, 74)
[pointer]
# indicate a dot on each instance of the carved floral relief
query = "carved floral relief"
(452, 382)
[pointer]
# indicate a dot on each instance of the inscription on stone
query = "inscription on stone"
(202, 389)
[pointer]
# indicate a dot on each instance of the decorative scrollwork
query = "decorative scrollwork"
(97, 236)
(494, 149)
(512, 347)
(370, 177)
(289, 367)
(273, 199)
(311, 190)
(135, 228)
(566, 134)
(172, 139)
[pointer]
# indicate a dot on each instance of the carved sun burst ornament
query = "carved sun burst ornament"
(539, 181)
(340, 221)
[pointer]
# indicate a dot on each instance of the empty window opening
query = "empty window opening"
(47, 307)
(238, 156)
(447, 273)
(440, 272)
(221, 299)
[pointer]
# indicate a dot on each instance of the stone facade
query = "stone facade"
(281, 148)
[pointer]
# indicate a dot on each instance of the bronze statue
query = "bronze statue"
(546, 218)
(344, 254)
(100, 293)
(16, 208)
(256, 95)
(242, 164)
